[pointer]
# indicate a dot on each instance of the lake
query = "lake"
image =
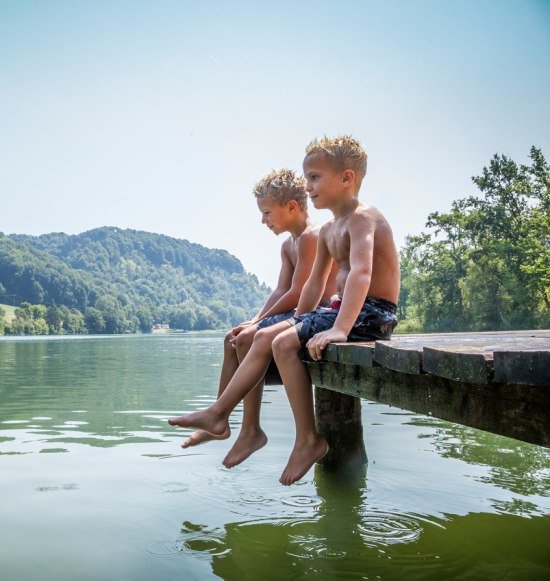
(94, 484)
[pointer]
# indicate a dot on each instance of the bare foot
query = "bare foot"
(245, 445)
(302, 458)
(201, 437)
(204, 420)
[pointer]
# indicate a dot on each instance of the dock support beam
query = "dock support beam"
(338, 419)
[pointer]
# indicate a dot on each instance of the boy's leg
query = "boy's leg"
(215, 418)
(251, 437)
(229, 366)
(309, 446)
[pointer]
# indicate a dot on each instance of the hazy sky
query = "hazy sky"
(161, 115)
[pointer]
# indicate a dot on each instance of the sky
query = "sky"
(161, 115)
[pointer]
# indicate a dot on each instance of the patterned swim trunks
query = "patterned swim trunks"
(376, 320)
(273, 320)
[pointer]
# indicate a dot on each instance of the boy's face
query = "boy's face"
(323, 184)
(274, 216)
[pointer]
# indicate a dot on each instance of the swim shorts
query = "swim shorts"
(274, 319)
(376, 320)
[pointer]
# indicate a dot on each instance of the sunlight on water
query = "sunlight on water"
(96, 485)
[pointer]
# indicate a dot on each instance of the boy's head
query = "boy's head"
(340, 154)
(282, 200)
(282, 186)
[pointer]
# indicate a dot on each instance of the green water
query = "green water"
(94, 486)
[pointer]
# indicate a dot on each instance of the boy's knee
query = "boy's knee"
(227, 340)
(285, 344)
(244, 339)
(263, 339)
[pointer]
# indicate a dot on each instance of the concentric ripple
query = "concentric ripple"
(385, 528)
(303, 501)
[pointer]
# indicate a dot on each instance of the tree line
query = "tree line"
(121, 281)
(485, 264)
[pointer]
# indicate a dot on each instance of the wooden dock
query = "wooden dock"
(499, 382)
(495, 381)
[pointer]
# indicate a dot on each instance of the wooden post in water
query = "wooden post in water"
(338, 419)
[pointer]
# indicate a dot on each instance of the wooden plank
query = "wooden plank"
(406, 353)
(361, 354)
(530, 367)
(402, 356)
(467, 364)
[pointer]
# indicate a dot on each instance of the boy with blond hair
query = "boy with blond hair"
(282, 201)
(360, 240)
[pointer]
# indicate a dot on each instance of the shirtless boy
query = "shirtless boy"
(360, 241)
(282, 201)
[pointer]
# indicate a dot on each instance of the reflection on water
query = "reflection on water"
(343, 537)
(101, 489)
(518, 467)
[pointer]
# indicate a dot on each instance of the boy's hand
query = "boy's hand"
(317, 343)
(236, 330)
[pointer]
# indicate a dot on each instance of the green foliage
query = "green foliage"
(95, 323)
(485, 265)
(123, 281)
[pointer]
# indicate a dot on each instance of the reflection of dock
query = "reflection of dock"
(499, 382)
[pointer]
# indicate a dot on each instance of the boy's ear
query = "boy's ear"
(292, 205)
(348, 176)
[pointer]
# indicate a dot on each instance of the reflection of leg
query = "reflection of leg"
(309, 446)
(215, 418)
(229, 366)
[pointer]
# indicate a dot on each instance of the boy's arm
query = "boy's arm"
(305, 257)
(361, 233)
(283, 284)
(315, 286)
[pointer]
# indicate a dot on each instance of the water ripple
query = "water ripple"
(303, 501)
(379, 528)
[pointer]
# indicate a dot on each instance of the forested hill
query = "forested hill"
(124, 280)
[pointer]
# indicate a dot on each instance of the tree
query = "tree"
(113, 314)
(485, 265)
(54, 320)
(2, 320)
(29, 320)
(183, 316)
(95, 323)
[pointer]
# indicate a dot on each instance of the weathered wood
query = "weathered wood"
(338, 419)
(494, 381)
(467, 364)
(525, 367)
(351, 353)
(405, 357)
(517, 411)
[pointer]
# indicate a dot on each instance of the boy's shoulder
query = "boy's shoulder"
(367, 215)
(310, 231)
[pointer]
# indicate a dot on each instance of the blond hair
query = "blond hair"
(342, 153)
(282, 186)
